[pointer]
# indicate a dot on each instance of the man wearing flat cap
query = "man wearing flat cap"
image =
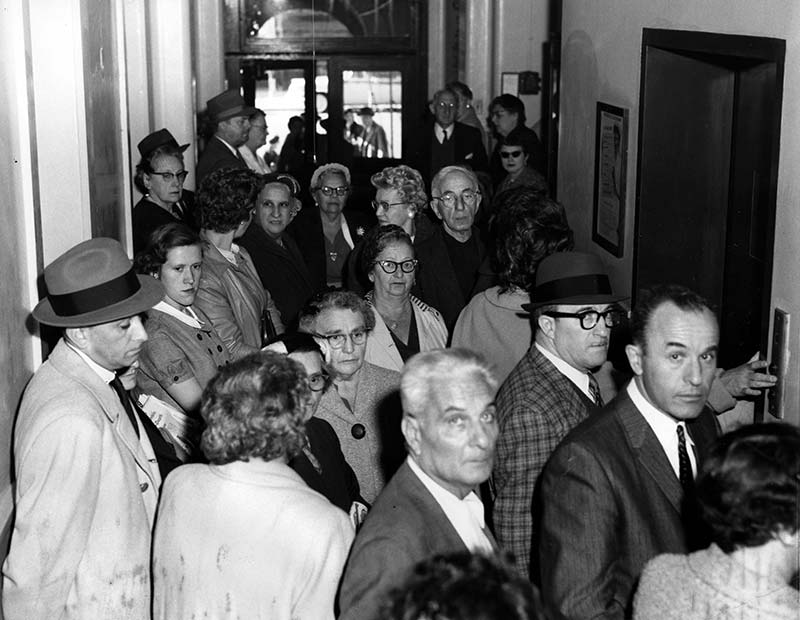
(619, 489)
(230, 116)
(86, 478)
(552, 388)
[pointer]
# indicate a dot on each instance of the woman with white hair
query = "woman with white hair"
(325, 235)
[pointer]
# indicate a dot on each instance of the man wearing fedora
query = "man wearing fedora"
(86, 478)
(230, 116)
(619, 488)
(552, 388)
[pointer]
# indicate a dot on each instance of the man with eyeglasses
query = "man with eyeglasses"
(448, 142)
(230, 116)
(552, 388)
(453, 254)
(619, 489)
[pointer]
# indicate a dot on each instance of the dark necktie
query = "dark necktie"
(445, 136)
(594, 390)
(116, 384)
(684, 464)
(177, 211)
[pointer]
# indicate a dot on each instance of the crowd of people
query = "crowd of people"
(406, 412)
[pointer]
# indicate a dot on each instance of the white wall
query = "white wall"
(601, 56)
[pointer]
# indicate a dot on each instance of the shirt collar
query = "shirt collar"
(105, 374)
(578, 377)
(465, 515)
(664, 426)
(191, 319)
(231, 148)
(438, 130)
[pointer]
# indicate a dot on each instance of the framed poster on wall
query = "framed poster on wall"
(610, 178)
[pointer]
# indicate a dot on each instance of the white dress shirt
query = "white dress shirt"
(438, 131)
(665, 428)
(465, 515)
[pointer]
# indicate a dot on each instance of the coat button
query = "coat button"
(358, 431)
(144, 486)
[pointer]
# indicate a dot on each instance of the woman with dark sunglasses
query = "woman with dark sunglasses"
(404, 325)
(515, 158)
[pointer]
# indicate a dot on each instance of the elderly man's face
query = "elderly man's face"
(312, 363)
(444, 109)
(679, 361)
(114, 345)
(454, 440)
(458, 218)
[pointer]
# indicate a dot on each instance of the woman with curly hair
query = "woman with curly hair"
(400, 199)
(231, 293)
(748, 491)
(404, 325)
(159, 177)
(528, 227)
(244, 536)
(183, 350)
(357, 404)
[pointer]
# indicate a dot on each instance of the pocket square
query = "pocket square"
(469, 156)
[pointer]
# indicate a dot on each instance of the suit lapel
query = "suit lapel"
(648, 450)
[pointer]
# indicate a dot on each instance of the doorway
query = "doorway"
(709, 134)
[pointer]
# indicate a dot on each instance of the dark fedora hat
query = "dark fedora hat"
(94, 283)
(228, 105)
(366, 112)
(571, 278)
(162, 137)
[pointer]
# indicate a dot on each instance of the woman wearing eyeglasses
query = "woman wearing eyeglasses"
(514, 158)
(324, 234)
(404, 325)
(359, 404)
(400, 199)
(159, 176)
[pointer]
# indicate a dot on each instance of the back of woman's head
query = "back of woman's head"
(749, 486)
(528, 226)
(161, 241)
(225, 198)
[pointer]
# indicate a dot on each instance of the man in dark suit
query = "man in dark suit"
(450, 259)
(448, 142)
(231, 117)
(619, 489)
(430, 505)
(552, 388)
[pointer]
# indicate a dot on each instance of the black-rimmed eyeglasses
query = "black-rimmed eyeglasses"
(390, 266)
(590, 318)
(339, 191)
(357, 337)
(169, 176)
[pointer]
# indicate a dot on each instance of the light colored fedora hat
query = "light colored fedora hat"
(93, 283)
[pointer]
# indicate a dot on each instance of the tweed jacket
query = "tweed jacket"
(536, 407)
(711, 585)
(85, 501)
(375, 456)
(233, 298)
(436, 278)
(610, 502)
(215, 157)
(282, 270)
(381, 349)
(405, 526)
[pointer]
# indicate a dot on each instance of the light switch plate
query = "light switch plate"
(780, 362)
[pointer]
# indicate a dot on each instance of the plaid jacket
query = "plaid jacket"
(536, 407)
